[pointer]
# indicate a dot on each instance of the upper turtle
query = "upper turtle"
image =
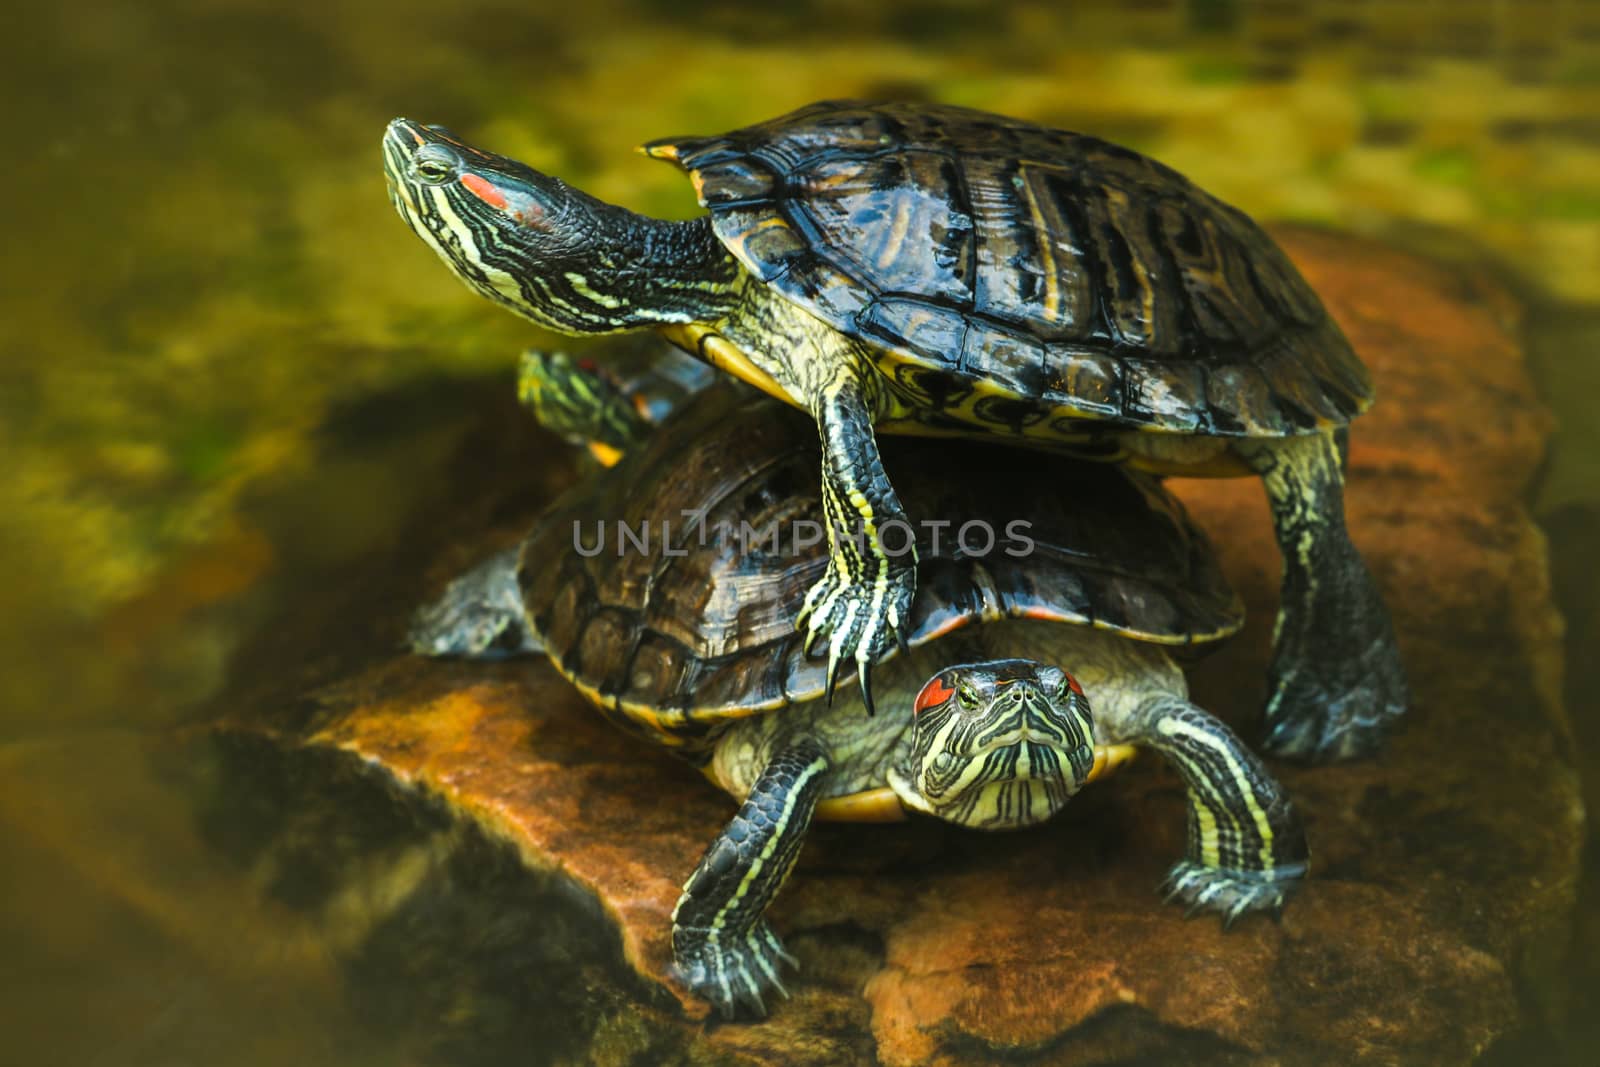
(1055, 265)
(911, 269)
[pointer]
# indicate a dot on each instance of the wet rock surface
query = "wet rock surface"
(1444, 870)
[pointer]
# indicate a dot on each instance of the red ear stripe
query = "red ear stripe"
(484, 191)
(1072, 683)
(933, 694)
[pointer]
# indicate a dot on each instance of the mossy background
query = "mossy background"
(228, 375)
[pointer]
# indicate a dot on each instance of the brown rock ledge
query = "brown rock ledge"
(1444, 871)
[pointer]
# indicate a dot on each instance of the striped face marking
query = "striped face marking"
(999, 744)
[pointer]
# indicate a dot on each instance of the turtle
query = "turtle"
(920, 269)
(1036, 662)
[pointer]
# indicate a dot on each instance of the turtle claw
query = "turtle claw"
(775, 947)
(734, 973)
(813, 637)
(833, 674)
(859, 621)
(864, 678)
(1336, 684)
(1170, 888)
(1232, 894)
(1233, 914)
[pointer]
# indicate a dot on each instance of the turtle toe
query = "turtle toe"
(857, 622)
(1232, 894)
(735, 974)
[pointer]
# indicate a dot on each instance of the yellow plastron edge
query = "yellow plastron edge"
(1107, 758)
(724, 355)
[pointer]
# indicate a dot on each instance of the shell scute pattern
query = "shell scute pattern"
(1087, 379)
(938, 338)
(890, 203)
(1173, 394)
(969, 244)
(1019, 364)
(736, 181)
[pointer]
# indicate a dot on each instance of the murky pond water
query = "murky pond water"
(236, 394)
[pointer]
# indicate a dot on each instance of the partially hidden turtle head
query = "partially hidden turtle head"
(582, 402)
(996, 745)
(541, 248)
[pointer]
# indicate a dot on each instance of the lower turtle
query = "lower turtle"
(1038, 658)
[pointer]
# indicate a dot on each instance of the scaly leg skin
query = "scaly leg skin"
(1247, 849)
(722, 947)
(1336, 682)
(478, 616)
(865, 597)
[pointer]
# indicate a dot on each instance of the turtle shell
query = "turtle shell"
(661, 590)
(980, 252)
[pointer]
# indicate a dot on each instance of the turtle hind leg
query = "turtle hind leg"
(478, 616)
(1246, 849)
(1336, 683)
(722, 946)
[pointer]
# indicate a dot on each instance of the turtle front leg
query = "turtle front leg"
(1247, 849)
(865, 597)
(722, 945)
(1336, 682)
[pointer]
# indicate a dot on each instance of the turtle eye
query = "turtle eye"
(432, 170)
(1069, 685)
(434, 164)
(968, 697)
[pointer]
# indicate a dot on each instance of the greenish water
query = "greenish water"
(229, 376)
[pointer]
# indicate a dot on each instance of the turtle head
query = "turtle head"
(997, 745)
(539, 247)
(494, 221)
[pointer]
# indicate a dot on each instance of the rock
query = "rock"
(1444, 870)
